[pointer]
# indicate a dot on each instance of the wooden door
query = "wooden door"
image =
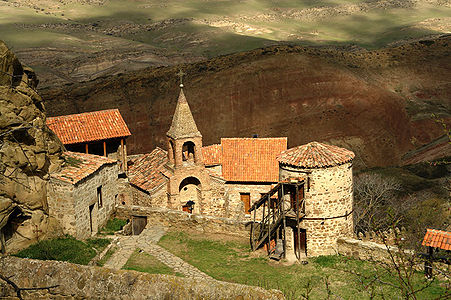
(246, 199)
(138, 224)
(301, 242)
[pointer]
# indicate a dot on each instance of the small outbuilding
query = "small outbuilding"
(82, 194)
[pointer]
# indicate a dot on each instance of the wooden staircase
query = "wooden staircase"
(275, 212)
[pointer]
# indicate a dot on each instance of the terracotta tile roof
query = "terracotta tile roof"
(251, 159)
(146, 171)
(78, 166)
(315, 155)
(90, 126)
(437, 239)
(212, 154)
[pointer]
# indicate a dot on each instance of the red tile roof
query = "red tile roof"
(146, 171)
(87, 127)
(251, 159)
(79, 166)
(212, 155)
(437, 239)
(315, 155)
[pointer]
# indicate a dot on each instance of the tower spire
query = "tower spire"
(183, 124)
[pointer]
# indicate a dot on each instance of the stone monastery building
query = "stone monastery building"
(255, 180)
(226, 179)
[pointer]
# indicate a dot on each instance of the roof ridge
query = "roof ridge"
(83, 113)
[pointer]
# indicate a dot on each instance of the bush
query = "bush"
(113, 225)
(64, 249)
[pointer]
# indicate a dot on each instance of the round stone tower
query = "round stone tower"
(328, 194)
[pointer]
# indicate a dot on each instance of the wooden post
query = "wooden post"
(253, 231)
(87, 152)
(269, 225)
(428, 263)
(298, 246)
(104, 148)
(122, 155)
(284, 224)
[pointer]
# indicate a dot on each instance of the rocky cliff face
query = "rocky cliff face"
(28, 152)
(377, 103)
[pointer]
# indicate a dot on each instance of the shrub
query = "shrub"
(64, 249)
(113, 225)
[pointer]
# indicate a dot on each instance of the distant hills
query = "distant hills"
(77, 40)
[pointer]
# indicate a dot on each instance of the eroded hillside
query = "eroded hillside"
(378, 103)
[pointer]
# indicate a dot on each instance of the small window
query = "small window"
(99, 197)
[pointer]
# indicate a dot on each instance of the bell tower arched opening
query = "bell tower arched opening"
(188, 152)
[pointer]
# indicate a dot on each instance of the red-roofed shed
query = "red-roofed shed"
(98, 132)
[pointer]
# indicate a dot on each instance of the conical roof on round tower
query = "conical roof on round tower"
(183, 124)
(315, 155)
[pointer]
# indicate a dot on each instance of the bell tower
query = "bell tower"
(190, 180)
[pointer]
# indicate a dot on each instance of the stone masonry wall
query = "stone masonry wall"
(330, 195)
(85, 282)
(234, 205)
(216, 204)
(61, 204)
(85, 194)
(70, 203)
(363, 250)
(157, 199)
(179, 220)
(223, 200)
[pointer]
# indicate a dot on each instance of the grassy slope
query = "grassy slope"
(232, 261)
(371, 29)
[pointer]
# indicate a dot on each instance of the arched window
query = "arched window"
(188, 151)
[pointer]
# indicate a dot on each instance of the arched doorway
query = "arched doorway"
(190, 192)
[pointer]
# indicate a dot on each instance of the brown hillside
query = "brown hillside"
(377, 103)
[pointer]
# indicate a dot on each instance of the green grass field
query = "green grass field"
(65, 249)
(232, 261)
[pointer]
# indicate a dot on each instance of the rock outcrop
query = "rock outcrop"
(28, 152)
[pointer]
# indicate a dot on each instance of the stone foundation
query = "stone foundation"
(179, 220)
(363, 250)
(83, 282)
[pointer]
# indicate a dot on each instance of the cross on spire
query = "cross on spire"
(181, 74)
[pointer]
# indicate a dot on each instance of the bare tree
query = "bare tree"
(372, 193)
(400, 271)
